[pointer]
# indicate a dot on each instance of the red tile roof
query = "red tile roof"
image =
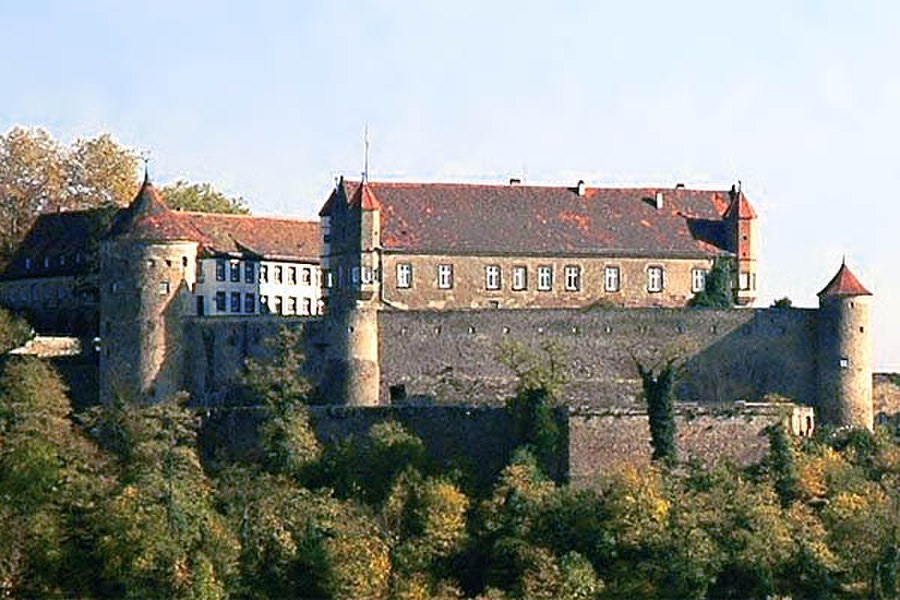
(742, 206)
(148, 218)
(264, 236)
(518, 219)
(844, 283)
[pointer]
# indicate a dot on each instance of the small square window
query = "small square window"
(404, 275)
(654, 279)
(573, 278)
(545, 278)
(163, 288)
(698, 280)
(845, 363)
(611, 279)
(519, 278)
(492, 277)
(445, 277)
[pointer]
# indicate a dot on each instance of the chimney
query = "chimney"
(659, 200)
(581, 187)
(514, 181)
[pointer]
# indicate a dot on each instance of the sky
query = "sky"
(269, 100)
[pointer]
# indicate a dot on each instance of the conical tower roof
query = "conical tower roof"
(148, 218)
(844, 283)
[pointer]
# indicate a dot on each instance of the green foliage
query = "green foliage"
(278, 384)
(659, 395)
(784, 302)
(718, 292)
(543, 370)
(783, 464)
(535, 427)
(38, 174)
(201, 197)
(14, 331)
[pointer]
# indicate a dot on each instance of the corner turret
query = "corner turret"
(148, 264)
(845, 352)
(744, 231)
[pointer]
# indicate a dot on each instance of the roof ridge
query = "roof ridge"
(658, 188)
(250, 216)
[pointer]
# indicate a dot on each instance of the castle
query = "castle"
(403, 292)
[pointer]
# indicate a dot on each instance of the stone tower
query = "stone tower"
(744, 231)
(148, 263)
(352, 263)
(845, 352)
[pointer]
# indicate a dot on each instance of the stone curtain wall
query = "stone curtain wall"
(730, 355)
(601, 442)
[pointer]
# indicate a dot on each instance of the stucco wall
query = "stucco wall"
(469, 290)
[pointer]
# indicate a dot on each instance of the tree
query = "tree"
(39, 174)
(201, 197)
(718, 292)
(659, 395)
(14, 331)
(783, 464)
(784, 302)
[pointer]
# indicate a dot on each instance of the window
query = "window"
(306, 276)
(404, 275)
(235, 302)
(201, 276)
(445, 277)
(277, 274)
(545, 278)
(492, 277)
(698, 280)
(264, 305)
(220, 301)
(307, 306)
(235, 271)
(27, 264)
(163, 288)
(292, 275)
(844, 363)
(249, 303)
(354, 275)
(46, 262)
(654, 279)
(573, 278)
(367, 274)
(519, 278)
(292, 306)
(326, 229)
(248, 272)
(62, 260)
(220, 270)
(277, 300)
(329, 279)
(744, 281)
(263, 273)
(611, 279)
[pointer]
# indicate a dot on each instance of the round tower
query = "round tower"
(148, 264)
(845, 352)
(357, 343)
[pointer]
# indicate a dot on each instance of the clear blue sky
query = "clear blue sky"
(268, 100)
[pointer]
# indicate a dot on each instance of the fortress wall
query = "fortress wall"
(604, 441)
(216, 350)
(732, 354)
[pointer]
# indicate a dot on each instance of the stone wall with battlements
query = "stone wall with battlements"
(729, 355)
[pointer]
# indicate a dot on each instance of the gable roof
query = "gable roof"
(263, 236)
(844, 283)
(68, 239)
(537, 220)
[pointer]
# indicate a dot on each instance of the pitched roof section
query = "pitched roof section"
(148, 218)
(67, 239)
(486, 219)
(365, 198)
(844, 283)
(289, 239)
(742, 206)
